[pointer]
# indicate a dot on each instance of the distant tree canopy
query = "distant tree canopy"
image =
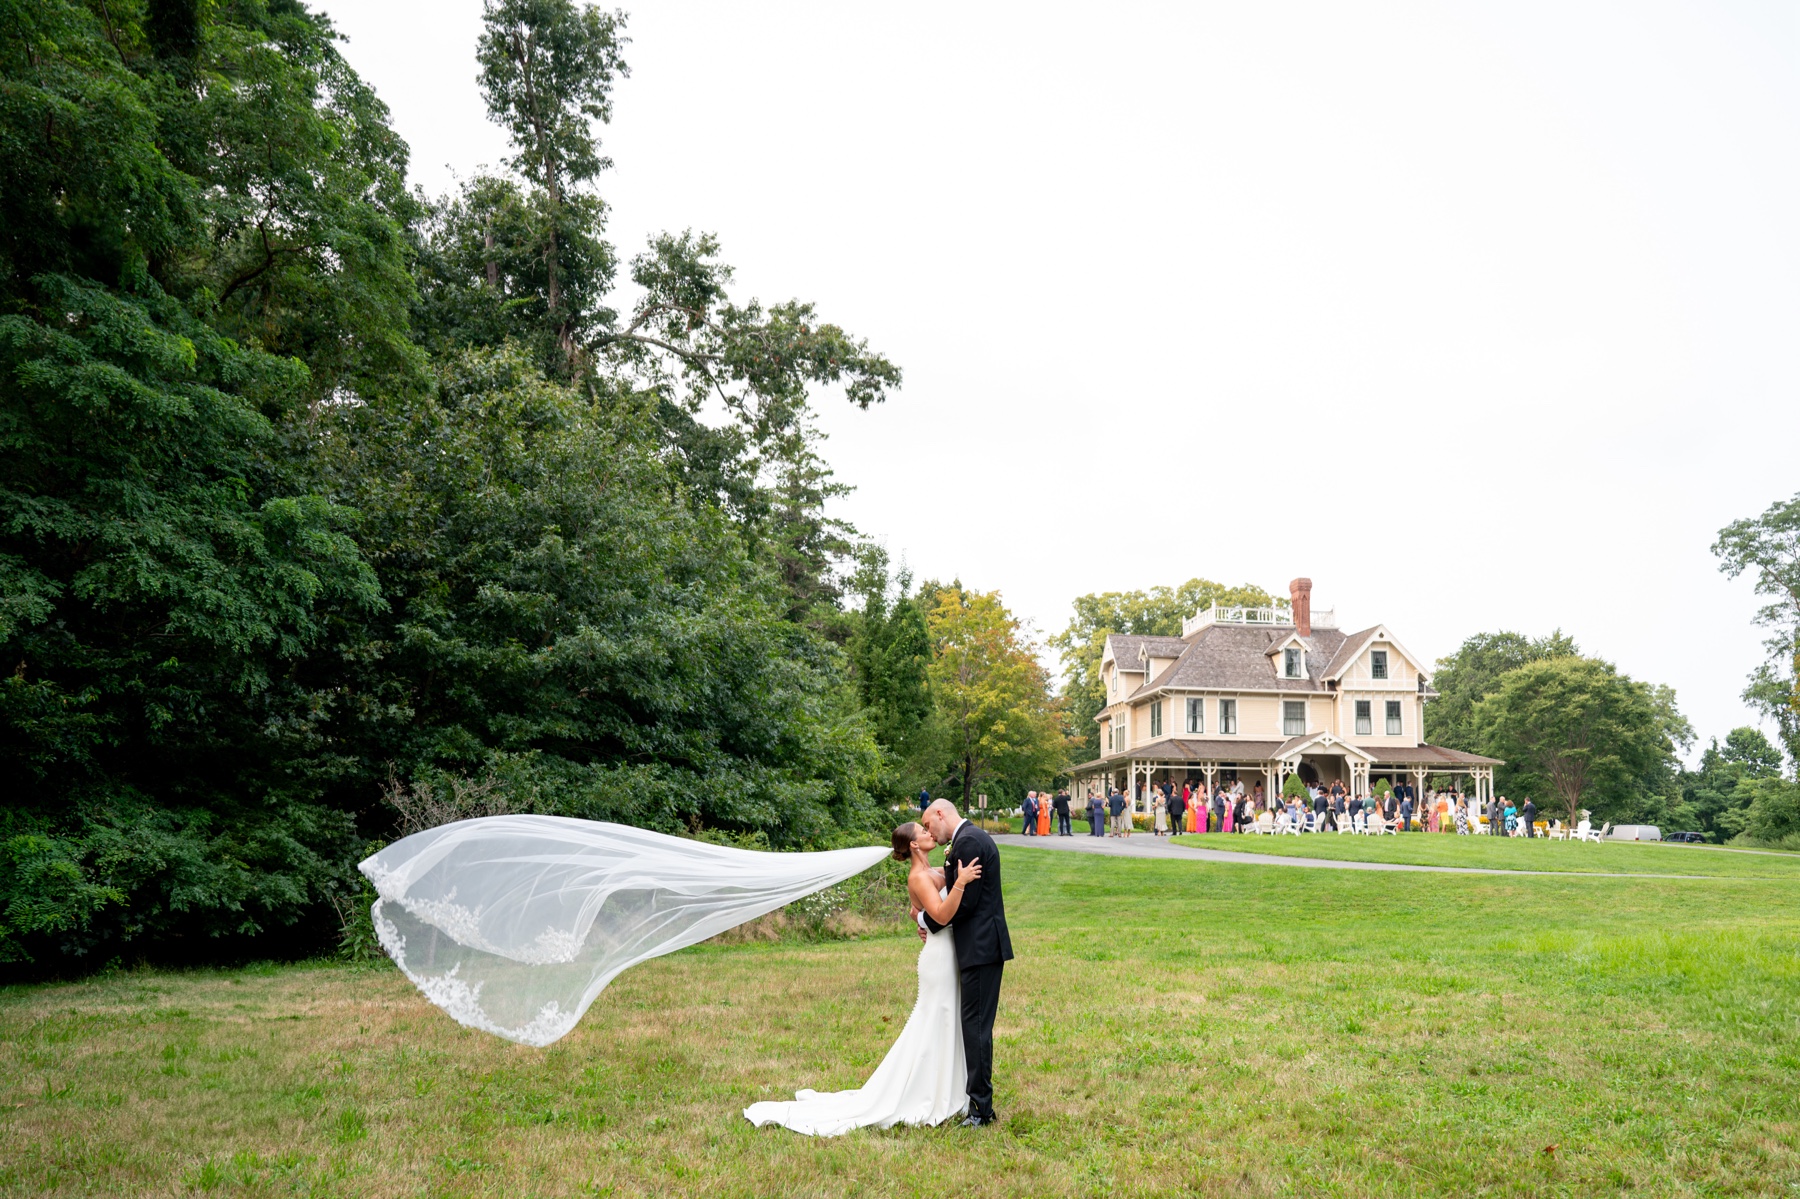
(310, 484)
(1576, 730)
(1473, 671)
(1769, 546)
(1157, 612)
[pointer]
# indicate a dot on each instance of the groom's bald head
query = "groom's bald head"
(940, 820)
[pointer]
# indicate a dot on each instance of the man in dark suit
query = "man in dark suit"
(1177, 811)
(983, 947)
(1029, 810)
(1060, 805)
(1529, 812)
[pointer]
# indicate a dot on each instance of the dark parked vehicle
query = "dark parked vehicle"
(1687, 838)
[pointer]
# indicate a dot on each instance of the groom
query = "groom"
(983, 946)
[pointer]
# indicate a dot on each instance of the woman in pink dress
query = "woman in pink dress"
(1225, 821)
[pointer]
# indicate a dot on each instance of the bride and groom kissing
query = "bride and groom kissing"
(942, 1063)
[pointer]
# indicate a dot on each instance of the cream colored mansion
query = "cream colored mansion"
(1257, 694)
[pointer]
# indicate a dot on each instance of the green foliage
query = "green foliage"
(890, 653)
(581, 598)
(1383, 788)
(1577, 729)
(991, 693)
(1715, 799)
(1293, 787)
(560, 621)
(1770, 545)
(1773, 818)
(1472, 672)
(199, 238)
(1156, 612)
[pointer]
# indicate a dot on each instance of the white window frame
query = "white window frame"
(1378, 664)
(1365, 717)
(1293, 663)
(1196, 715)
(1227, 717)
(1396, 719)
(1288, 707)
(1156, 719)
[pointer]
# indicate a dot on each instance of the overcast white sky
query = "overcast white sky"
(1483, 316)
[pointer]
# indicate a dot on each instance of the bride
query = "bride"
(923, 1079)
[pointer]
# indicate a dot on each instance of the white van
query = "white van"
(1634, 832)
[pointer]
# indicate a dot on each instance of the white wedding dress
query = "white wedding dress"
(922, 1080)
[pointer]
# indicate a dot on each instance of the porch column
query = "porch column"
(1418, 774)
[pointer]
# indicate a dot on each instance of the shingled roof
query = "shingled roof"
(1189, 749)
(1126, 646)
(1235, 657)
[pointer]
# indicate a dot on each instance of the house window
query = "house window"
(1393, 714)
(1290, 662)
(1378, 664)
(1196, 716)
(1112, 682)
(1293, 717)
(1363, 724)
(1228, 716)
(1156, 719)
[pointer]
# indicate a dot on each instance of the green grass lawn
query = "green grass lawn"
(1512, 853)
(1168, 1027)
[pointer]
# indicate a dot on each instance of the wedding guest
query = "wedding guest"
(1043, 816)
(1028, 814)
(1096, 812)
(1406, 814)
(1061, 804)
(1178, 809)
(1115, 803)
(1462, 816)
(1159, 814)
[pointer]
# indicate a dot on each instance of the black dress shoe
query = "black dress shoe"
(977, 1121)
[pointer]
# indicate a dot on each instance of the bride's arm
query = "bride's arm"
(925, 896)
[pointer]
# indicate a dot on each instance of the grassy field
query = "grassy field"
(1512, 853)
(1168, 1027)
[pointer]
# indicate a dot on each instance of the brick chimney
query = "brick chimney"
(1300, 598)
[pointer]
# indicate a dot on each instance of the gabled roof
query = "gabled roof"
(1296, 745)
(1225, 657)
(1281, 643)
(1124, 649)
(1354, 645)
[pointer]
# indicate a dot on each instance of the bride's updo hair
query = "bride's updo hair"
(903, 839)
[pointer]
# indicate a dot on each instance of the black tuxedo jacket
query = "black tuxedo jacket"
(980, 920)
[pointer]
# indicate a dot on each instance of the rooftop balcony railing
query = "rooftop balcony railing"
(1248, 615)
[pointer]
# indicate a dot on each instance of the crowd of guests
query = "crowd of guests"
(1231, 808)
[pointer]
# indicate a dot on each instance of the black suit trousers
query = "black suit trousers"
(980, 1001)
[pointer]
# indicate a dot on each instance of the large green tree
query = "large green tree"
(1769, 545)
(1158, 611)
(991, 693)
(1577, 730)
(559, 623)
(1472, 672)
(199, 239)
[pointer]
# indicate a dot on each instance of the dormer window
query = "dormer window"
(1378, 664)
(1290, 663)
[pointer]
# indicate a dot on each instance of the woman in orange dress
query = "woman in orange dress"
(1044, 816)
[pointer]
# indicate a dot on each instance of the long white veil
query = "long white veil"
(514, 924)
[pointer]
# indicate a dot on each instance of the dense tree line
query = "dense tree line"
(315, 490)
